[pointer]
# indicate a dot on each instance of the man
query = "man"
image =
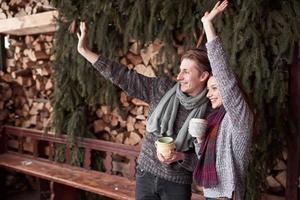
(172, 105)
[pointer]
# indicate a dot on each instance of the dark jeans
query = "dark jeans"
(150, 187)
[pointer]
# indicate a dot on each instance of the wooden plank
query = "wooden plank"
(31, 24)
(293, 161)
(3, 142)
(2, 53)
(100, 183)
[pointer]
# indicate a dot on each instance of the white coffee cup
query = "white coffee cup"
(197, 127)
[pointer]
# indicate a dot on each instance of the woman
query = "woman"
(224, 152)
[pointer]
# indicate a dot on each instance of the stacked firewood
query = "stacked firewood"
(18, 8)
(144, 60)
(125, 125)
(26, 82)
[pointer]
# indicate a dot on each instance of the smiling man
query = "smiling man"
(172, 105)
(194, 72)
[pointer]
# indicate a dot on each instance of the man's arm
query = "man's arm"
(136, 85)
(82, 45)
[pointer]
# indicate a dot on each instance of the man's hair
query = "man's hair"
(200, 57)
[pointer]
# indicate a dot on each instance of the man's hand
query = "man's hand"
(82, 38)
(175, 156)
(82, 47)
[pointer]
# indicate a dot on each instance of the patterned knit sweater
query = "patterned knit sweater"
(151, 90)
(234, 134)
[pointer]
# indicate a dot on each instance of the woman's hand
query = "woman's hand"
(208, 18)
(82, 38)
(219, 8)
(200, 140)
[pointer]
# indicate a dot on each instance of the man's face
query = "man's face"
(191, 80)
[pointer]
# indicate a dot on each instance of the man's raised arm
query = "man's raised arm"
(82, 45)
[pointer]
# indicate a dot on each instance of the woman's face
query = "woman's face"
(213, 93)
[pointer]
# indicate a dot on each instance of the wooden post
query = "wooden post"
(68, 154)
(3, 141)
(108, 162)
(2, 183)
(293, 164)
(20, 144)
(87, 158)
(2, 53)
(51, 151)
(35, 148)
(44, 189)
(132, 168)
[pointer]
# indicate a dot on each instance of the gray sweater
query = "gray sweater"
(151, 90)
(235, 131)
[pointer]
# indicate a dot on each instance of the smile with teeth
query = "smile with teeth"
(213, 100)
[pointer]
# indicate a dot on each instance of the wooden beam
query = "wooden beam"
(30, 24)
(2, 52)
(293, 164)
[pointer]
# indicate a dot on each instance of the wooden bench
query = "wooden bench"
(63, 179)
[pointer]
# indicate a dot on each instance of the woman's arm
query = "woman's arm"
(232, 97)
(207, 19)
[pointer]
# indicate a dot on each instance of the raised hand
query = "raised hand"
(82, 38)
(218, 8)
(82, 46)
(208, 18)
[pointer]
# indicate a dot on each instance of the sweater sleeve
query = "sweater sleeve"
(135, 84)
(233, 100)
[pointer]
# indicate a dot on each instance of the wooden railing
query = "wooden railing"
(38, 139)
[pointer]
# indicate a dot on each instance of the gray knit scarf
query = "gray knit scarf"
(162, 119)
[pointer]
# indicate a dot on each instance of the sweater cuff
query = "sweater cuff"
(211, 44)
(101, 63)
(105, 66)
